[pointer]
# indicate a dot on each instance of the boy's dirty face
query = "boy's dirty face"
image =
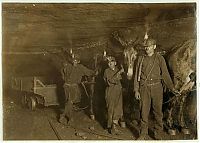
(150, 49)
(75, 62)
(112, 64)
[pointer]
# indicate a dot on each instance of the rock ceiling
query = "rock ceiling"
(29, 27)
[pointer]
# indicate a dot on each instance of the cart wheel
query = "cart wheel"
(32, 103)
(24, 100)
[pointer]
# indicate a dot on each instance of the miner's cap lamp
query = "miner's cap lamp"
(76, 58)
(149, 42)
(111, 59)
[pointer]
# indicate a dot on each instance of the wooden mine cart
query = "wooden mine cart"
(36, 90)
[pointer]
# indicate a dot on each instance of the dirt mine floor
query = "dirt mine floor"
(21, 123)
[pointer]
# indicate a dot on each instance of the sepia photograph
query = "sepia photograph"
(99, 71)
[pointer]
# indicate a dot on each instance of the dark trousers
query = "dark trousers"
(114, 104)
(151, 96)
(72, 95)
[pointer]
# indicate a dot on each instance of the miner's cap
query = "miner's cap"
(111, 59)
(149, 42)
(76, 57)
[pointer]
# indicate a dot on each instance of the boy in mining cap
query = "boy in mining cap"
(151, 69)
(113, 97)
(72, 75)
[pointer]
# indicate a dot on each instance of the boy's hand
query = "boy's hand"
(96, 72)
(137, 95)
(122, 70)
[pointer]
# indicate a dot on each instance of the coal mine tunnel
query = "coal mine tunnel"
(37, 38)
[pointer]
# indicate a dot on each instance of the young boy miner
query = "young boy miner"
(72, 75)
(151, 69)
(113, 94)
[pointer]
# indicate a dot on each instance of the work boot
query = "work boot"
(110, 131)
(122, 124)
(63, 120)
(115, 129)
(142, 137)
(114, 126)
(143, 134)
(70, 120)
(157, 136)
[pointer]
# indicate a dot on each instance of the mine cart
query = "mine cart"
(36, 90)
